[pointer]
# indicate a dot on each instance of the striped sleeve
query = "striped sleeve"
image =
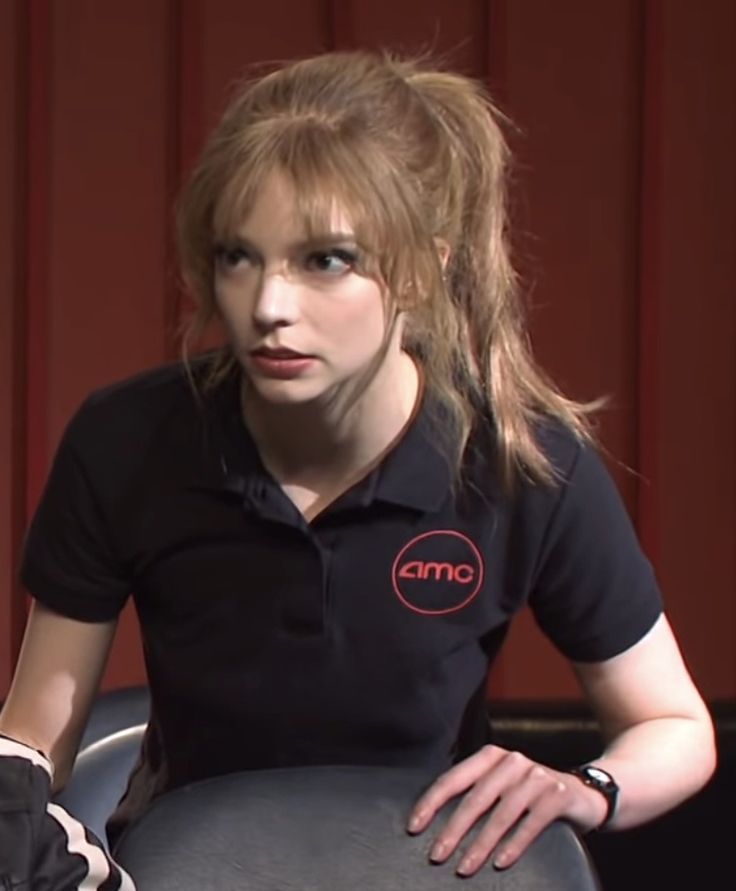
(42, 847)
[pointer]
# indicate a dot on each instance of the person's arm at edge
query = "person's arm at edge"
(54, 685)
(660, 740)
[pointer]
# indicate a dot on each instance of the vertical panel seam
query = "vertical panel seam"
(648, 276)
(496, 63)
(18, 382)
(188, 116)
(173, 172)
(496, 72)
(35, 259)
(341, 25)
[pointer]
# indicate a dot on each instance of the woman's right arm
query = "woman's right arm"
(56, 680)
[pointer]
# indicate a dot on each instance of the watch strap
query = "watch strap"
(599, 779)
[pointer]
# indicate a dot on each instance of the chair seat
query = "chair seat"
(100, 777)
(319, 829)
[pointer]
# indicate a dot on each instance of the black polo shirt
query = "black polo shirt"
(364, 636)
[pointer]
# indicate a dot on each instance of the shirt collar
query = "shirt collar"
(415, 473)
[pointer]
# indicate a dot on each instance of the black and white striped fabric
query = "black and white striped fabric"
(42, 847)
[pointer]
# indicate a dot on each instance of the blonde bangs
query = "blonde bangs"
(328, 174)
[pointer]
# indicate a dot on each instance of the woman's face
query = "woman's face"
(303, 322)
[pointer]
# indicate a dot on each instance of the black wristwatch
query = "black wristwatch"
(602, 782)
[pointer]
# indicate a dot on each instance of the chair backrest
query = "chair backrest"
(116, 710)
(100, 777)
(318, 829)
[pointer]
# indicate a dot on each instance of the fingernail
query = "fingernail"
(466, 866)
(500, 861)
(438, 852)
(415, 823)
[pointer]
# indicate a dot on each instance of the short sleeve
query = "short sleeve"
(595, 593)
(68, 561)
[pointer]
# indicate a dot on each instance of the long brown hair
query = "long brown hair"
(416, 157)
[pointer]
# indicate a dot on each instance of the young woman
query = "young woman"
(328, 525)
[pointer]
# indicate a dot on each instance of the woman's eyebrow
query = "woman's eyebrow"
(326, 239)
(318, 240)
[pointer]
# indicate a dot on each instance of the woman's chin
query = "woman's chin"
(284, 393)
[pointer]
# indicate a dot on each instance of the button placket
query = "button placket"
(303, 613)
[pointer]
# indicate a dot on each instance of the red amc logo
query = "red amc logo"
(438, 572)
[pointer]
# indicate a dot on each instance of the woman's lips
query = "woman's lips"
(280, 363)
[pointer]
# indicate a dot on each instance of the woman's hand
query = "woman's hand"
(512, 797)
(660, 749)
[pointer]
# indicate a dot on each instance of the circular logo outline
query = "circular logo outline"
(451, 609)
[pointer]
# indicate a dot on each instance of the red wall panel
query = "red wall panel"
(572, 86)
(232, 37)
(108, 205)
(457, 31)
(12, 325)
(690, 503)
(624, 229)
(108, 211)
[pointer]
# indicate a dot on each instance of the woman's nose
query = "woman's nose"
(276, 301)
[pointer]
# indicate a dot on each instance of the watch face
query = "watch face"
(600, 776)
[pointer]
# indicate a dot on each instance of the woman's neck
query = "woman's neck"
(308, 443)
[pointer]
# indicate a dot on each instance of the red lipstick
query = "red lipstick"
(280, 362)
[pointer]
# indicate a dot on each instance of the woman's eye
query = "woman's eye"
(333, 262)
(230, 257)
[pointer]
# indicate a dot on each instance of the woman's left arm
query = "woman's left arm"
(660, 750)
(660, 741)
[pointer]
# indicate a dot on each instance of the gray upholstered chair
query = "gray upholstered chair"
(318, 829)
(100, 776)
(326, 828)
